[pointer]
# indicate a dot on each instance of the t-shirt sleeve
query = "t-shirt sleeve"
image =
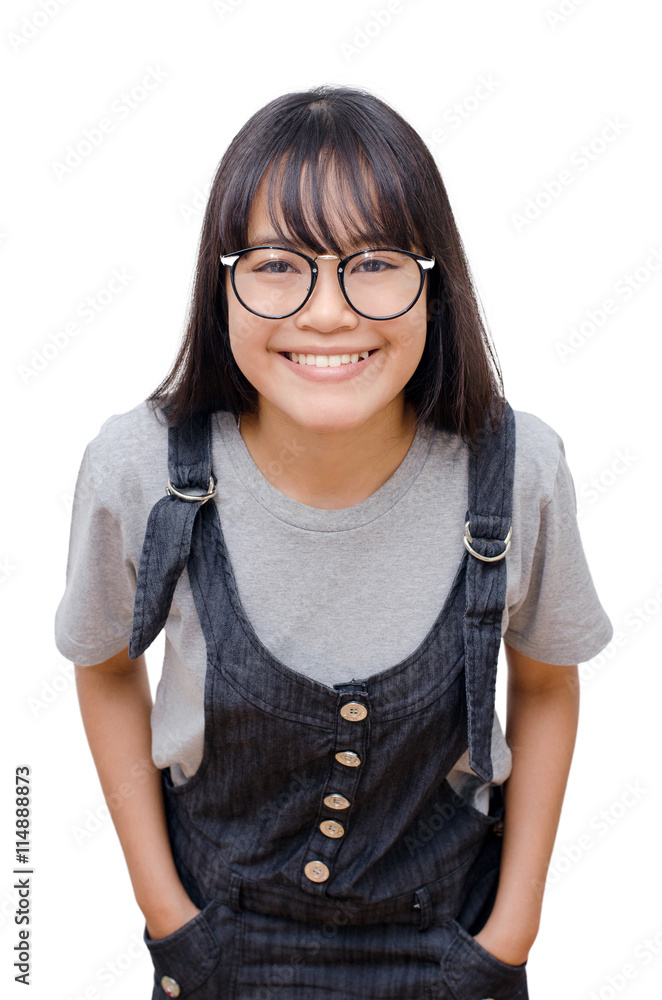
(559, 619)
(93, 618)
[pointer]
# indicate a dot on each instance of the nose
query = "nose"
(327, 309)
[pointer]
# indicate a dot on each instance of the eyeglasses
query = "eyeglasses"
(378, 283)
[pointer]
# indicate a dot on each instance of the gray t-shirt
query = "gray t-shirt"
(334, 594)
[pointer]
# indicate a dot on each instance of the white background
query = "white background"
(558, 72)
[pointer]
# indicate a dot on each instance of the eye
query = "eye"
(373, 266)
(276, 267)
(378, 263)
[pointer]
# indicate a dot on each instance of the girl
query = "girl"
(336, 516)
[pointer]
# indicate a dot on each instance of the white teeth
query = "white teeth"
(326, 360)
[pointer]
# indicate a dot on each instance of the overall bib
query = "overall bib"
(328, 853)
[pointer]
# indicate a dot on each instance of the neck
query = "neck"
(328, 470)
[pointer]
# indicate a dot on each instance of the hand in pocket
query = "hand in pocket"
(160, 925)
(504, 951)
(185, 958)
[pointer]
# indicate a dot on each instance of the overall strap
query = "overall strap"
(169, 528)
(487, 538)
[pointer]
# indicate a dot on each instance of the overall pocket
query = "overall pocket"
(184, 960)
(473, 973)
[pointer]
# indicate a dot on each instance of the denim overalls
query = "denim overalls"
(329, 855)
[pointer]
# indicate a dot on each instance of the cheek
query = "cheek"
(247, 332)
(409, 337)
(241, 323)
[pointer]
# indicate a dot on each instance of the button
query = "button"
(348, 758)
(316, 871)
(170, 986)
(353, 711)
(331, 829)
(336, 801)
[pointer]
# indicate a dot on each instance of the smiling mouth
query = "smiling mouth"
(327, 360)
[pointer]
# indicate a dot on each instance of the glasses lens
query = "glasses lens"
(272, 282)
(381, 283)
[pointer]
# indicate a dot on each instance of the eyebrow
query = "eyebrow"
(269, 239)
(266, 238)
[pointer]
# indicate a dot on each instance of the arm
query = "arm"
(542, 714)
(116, 704)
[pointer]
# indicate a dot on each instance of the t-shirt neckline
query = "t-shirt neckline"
(300, 515)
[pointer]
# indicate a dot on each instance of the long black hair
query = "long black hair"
(300, 142)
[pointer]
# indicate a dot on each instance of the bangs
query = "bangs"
(327, 190)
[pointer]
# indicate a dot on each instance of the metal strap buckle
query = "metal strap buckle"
(468, 540)
(170, 489)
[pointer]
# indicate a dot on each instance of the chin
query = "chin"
(328, 423)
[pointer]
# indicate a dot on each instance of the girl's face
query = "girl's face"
(331, 398)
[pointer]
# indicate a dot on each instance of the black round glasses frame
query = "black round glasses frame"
(424, 264)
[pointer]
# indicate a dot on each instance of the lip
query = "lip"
(306, 349)
(339, 374)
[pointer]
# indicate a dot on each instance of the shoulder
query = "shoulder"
(129, 454)
(538, 452)
(128, 459)
(121, 430)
